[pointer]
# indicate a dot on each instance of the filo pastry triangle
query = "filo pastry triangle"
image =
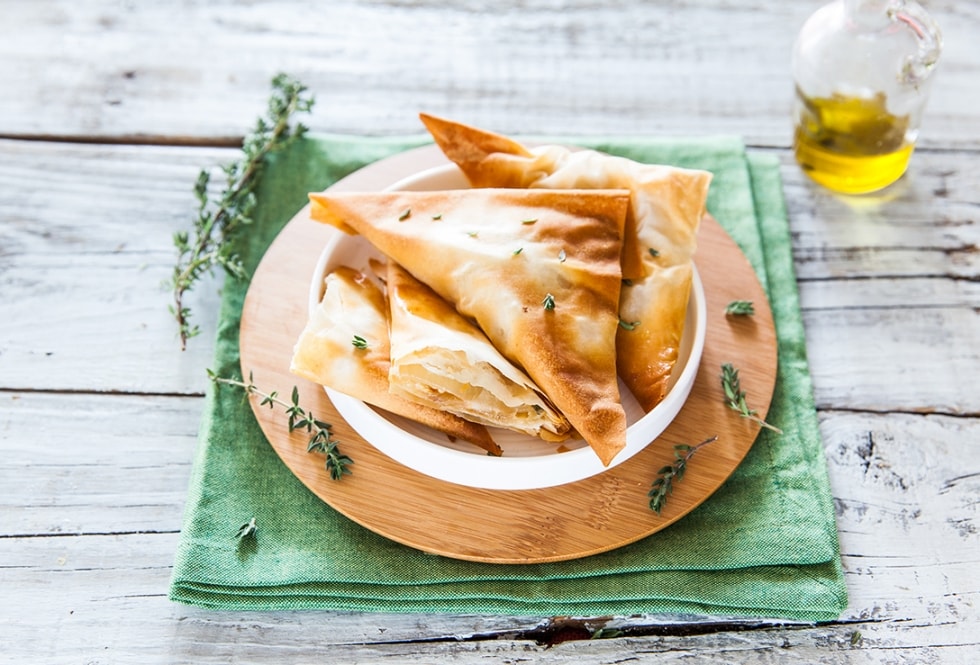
(667, 205)
(538, 271)
(442, 360)
(354, 307)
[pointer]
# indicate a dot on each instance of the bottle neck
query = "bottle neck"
(871, 14)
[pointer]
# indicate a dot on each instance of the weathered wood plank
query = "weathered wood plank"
(924, 225)
(85, 247)
(901, 293)
(75, 464)
(901, 359)
(116, 612)
(199, 70)
(905, 489)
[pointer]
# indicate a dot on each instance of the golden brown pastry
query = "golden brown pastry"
(667, 204)
(442, 360)
(537, 270)
(325, 353)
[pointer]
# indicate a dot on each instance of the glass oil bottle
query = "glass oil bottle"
(862, 70)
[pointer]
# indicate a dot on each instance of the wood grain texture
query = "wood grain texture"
(195, 71)
(82, 489)
(88, 353)
(85, 249)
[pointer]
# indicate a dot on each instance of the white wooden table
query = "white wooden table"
(109, 109)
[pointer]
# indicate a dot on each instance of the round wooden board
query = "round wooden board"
(527, 526)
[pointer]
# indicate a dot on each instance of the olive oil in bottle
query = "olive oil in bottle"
(862, 70)
(851, 144)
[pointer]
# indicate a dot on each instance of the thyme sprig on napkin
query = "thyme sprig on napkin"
(247, 530)
(735, 396)
(663, 486)
(207, 245)
(321, 433)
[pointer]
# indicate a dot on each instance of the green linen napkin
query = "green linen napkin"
(764, 545)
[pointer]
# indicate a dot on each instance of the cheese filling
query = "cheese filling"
(476, 390)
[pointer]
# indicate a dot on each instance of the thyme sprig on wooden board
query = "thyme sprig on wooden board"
(735, 397)
(663, 486)
(740, 308)
(321, 433)
(207, 245)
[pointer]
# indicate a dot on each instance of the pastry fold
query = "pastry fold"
(325, 353)
(537, 270)
(444, 361)
(667, 205)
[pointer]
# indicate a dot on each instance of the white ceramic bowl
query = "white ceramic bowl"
(527, 462)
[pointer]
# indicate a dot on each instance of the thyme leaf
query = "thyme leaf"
(735, 396)
(663, 486)
(359, 342)
(321, 433)
(548, 302)
(208, 245)
(740, 308)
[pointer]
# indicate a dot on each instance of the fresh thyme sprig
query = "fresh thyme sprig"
(207, 245)
(736, 396)
(740, 308)
(321, 439)
(664, 484)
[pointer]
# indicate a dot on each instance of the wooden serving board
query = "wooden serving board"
(522, 526)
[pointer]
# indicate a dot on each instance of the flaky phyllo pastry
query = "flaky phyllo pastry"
(325, 353)
(442, 360)
(667, 204)
(538, 271)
